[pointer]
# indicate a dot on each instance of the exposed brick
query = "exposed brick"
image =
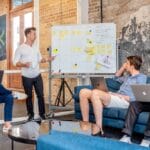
(51, 13)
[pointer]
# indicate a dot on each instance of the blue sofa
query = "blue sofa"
(112, 117)
(70, 141)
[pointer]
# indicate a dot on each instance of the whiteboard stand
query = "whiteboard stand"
(50, 114)
(60, 99)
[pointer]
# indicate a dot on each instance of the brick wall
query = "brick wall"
(54, 13)
(4, 9)
(117, 11)
(133, 30)
(94, 11)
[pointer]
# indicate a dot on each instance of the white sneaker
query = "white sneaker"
(145, 143)
(126, 139)
(6, 129)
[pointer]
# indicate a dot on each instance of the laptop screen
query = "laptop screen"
(141, 92)
(99, 83)
(1, 75)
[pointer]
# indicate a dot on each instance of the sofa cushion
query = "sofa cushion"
(69, 141)
(112, 84)
(142, 119)
(148, 79)
(110, 113)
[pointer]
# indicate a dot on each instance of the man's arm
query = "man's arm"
(17, 62)
(20, 64)
(44, 60)
(121, 70)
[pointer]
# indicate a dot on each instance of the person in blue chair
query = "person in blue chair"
(119, 99)
(6, 97)
(135, 108)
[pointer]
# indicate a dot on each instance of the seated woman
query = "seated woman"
(120, 99)
(6, 98)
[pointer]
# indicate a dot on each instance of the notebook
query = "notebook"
(141, 92)
(1, 75)
(99, 83)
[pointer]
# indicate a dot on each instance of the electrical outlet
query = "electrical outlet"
(149, 69)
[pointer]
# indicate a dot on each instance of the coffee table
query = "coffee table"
(28, 132)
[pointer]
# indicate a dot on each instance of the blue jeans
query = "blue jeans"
(8, 100)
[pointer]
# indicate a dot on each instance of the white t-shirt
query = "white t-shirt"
(26, 53)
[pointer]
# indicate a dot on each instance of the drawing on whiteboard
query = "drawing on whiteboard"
(104, 60)
(90, 49)
(55, 52)
(85, 48)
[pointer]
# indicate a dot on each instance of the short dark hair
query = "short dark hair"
(136, 61)
(28, 30)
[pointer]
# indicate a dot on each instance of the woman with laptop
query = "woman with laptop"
(6, 97)
(120, 99)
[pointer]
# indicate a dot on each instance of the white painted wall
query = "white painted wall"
(82, 18)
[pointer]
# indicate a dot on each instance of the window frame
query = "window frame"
(18, 11)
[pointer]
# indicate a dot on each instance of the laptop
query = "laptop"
(1, 75)
(141, 92)
(99, 83)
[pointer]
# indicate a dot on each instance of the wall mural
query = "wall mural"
(135, 38)
(3, 37)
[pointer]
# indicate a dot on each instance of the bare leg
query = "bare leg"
(85, 96)
(99, 99)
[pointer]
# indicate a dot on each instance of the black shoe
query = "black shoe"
(100, 134)
(43, 117)
(31, 117)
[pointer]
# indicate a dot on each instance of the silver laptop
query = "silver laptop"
(99, 83)
(141, 92)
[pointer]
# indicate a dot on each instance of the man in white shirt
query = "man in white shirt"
(28, 58)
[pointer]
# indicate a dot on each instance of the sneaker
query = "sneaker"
(31, 117)
(145, 143)
(126, 139)
(6, 129)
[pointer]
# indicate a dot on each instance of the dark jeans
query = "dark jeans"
(8, 100)
(37, 83)
(134, 110)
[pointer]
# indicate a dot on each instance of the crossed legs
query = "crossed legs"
(99, 99)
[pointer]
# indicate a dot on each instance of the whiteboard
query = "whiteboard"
(85, 48)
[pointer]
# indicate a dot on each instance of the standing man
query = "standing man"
(28, 57)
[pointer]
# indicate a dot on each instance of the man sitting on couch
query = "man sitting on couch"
(100, 99)
(134, 110)
(6, 97)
